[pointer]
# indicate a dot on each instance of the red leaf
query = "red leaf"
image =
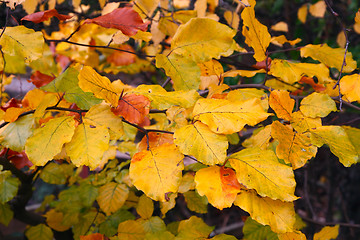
(39, 79)
(125, 19)
(11, 103)
(133, 108)
(19, 160)
(310, 81)
(122, 58)
(45, 15)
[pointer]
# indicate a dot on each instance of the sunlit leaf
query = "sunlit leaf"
(327, 233)
(155, 139)
(294, 148)
(301, 123)
(338, 141)
(350, 87)
(145, 207)
(317, 105)
(218, 184)
(281, 40)
(44, 16)
(256, 34)
(40, 231)
(15, 42)
(199, 141)
(134, 108)
(318, 9)
(259, 139)
(296, 235)
(193, 228)
(260, 170)
(302, 13)
(112, 197)
(332, 57)
(279, 215)
(224, 116)
(91, 81)
(157, 171)
(88, 145)
(124, 19)
(282, 104)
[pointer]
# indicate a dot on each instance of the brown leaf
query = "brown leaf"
(133, 108)
(39, 79)
(45, 15)
(124, 19)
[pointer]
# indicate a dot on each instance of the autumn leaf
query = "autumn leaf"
(331, 57)
(47, 141)
(317, 105)
(9, 186)
(327, 233)
(350, 87)
(302, 123)
(44, 16)
(125, 19)
(145, 207)
(39, 79)
(260, 170)
(224, 116)
(279, 215)
(88, 145)
(120, 58)
(157, 171)
(292, 236)
(282, 104)
(40, 231)
(259, 139)
(218, 184)
(256, 34)
(318, 9)
(54, 220)
(93, 236)
(131, 230)
(134, 108)
(155, 139)
(199, 141)
(112, 197)
(294, 148)
(193, 228)
(253, 230)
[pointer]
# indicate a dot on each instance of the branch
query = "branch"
(328, 223)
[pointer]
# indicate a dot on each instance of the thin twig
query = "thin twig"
(166, 82)
(353, 225)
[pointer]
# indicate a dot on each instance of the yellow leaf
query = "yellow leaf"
(317, 105)
(247, 94)
(338, 141)
(281, 85)
(13, 113)
(200, 7)
(145, 8)
(259, 139)
(350, 87)
(199, 141)
(331, 57)
(327, 233)
(145, 207)
(357, 27)
(47, 101)
(54, 220)
(88, 145)
(260, 170)
(244, 73)
(112, 197)
(47, 141)
(296, 235)
(279, 215)
(91, 81)
(302, 13)
(218, 184)
(184, 72)
(202, 39)
(193, 228)
(101, 115)
(224, 116)
(301, 123)
(354, 136)
(161, 99)
(281, 40)
(357, 16)
(318, 9)
(341, 39)
(15, 42)
(256, 34)
(232, 18)
(280, 27)
(131, 230)
(294, 148)
(158, 171)
(210, 73)
(187, 183)
(40, 231)
(282, 104)
(292, 72)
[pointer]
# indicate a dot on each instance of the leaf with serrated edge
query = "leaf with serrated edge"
(157, 171)
(131, 230)
(112, 197)
(47, 141)
(227, 117)
(40, 231)
(279, 215)
(260, 170)
(199, 141)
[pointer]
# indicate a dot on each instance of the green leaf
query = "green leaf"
(110, 225)
(223, 237)
(255, 231)
(153, 224)
(15, 134)
(15, 42)
(195, 202)
(193, 228)
(6, 214)
(67, 83)
(53, 173)
(160, 236)
(40, 231)
(49, 139)
(8, 186)
(85, 221)
(131, 230)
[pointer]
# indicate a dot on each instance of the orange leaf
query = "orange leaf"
(93, 236)
(39, 79)
(155, 139)
(122, 58)
(45, 15)
(133, 108)
(310, 81)
(13, 113)
(124, 19)
(282, 104)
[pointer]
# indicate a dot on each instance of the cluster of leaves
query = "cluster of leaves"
(210, 142)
